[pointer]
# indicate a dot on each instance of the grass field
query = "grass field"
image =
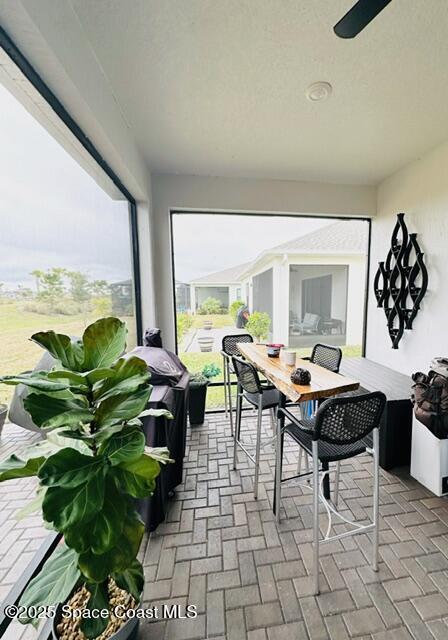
(219, 321)
(17, 352)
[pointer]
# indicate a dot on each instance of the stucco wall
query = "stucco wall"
(421, 191)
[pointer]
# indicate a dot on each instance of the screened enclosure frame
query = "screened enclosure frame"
(255, 214)
(14, 53)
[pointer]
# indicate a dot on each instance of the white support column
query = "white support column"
(280, 302)
(355, 293)
(193, 299)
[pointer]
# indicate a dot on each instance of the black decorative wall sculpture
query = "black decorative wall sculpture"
(401, 281)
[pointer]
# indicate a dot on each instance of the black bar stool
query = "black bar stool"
(263, 397)
(229, 349)
(335, 433)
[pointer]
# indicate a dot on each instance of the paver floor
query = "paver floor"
(19, 538)
(222, 551)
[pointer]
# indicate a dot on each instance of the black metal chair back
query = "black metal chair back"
(247, 375)
(229, 343)
(325, 355)
(346, 420)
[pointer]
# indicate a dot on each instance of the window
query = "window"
(306, 275)
(66, 247)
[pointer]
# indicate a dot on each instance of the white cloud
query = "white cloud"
(52, 213)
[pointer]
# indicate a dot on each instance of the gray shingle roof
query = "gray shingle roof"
(221, 277)
(345, 236)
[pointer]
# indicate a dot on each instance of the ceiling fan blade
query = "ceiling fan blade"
(359, 16)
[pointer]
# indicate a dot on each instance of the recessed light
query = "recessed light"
(319, 91)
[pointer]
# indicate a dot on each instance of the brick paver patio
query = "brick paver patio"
(222, 551)
(19, 539)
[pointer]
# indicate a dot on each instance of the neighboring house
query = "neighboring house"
(121, 294)
(225, 286)
(309, 286)
(182, 297)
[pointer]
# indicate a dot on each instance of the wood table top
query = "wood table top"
(324, 383)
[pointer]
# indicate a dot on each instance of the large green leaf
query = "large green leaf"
(68, 468)
(104, 341)
(58, 439)
(97, 437)
(126, 445)
(48, 412)
(82, 379)
(131, 579)
(161, 454)
(68, 352)
(35, 380)
(156, 413)
(137, 477)
(65, 508)
(97, 567)
(15, 467)
(129, 375)
(121, 408)
(55, 581)
(93, 626)
(102, 533)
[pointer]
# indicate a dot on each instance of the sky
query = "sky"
(52, 213)
(204, 244)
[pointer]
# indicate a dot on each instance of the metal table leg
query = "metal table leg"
(279, 456)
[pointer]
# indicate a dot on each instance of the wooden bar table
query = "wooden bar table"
(324, 383)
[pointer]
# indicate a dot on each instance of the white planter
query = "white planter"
(429, 459)
(206, 343)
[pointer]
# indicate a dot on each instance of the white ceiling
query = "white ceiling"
(216, 87)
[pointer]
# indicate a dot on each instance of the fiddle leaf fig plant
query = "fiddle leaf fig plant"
(92, 465)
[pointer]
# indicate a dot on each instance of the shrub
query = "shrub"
(102, 306)
(235, 307)
(184, 322)
(210, 306)
(211, 370)
(63, 307)
(258, 325)
(208, 372)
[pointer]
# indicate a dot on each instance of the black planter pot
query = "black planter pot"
(197, 397)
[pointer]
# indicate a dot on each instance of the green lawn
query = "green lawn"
(18, 353)
(219, 321)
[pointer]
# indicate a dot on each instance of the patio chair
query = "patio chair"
(335, 433)
(329, 357)
(309, 324)
(263, 397)
(229, 349)
(325, 355)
